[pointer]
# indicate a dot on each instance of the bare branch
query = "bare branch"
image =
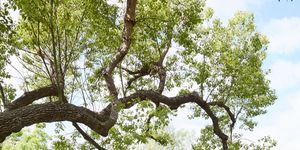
(87, 137)
(39, 51)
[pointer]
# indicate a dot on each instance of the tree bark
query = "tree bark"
(29, 97)
(15, 120)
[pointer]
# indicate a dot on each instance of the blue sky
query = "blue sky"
(280, 21)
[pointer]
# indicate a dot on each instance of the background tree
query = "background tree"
(25, 139)
(109, 67)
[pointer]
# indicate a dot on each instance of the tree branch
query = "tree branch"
(15, 120)
(87, 137)
(29, 97)
(129, 21)
(227, 109)
(162, 79)
(3, 96)
(175, 102)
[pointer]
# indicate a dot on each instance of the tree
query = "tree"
(82, 55)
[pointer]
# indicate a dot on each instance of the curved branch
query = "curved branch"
(129, 21)
(14, 120)
(215, 120)
(174, 103)
(227, 109)
(29, 97)
(162, 79)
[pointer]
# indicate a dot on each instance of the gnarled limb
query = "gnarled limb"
(129, 20)
(229, 112)
(15, 120)
(154, 68)
(162, 71)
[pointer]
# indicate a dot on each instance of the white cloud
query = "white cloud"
(284, 35)
(284, 75)
(283, 126)
(282, 121)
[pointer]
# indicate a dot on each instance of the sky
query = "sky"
(280, 22)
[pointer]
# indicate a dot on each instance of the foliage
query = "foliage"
(208, 141)
(180, 140)
(27, 139)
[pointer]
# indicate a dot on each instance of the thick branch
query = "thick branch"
(15, 120)
(215, 120)
(162, 79)
(129, 21)
(29, 97)
(162, 72)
